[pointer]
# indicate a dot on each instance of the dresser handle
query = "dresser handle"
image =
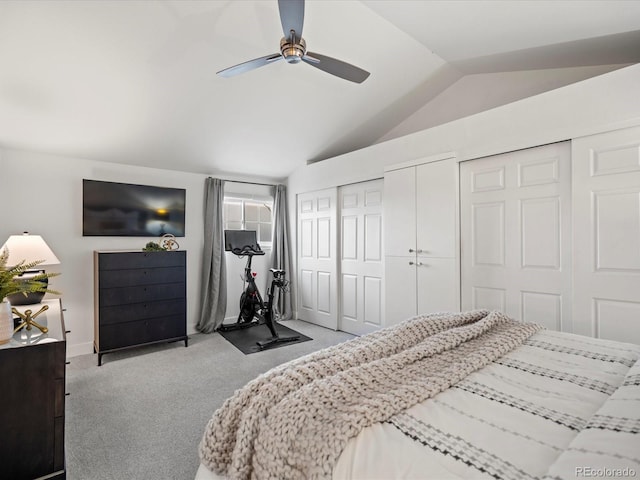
(67, 363)
(67, 331)
(67, 394)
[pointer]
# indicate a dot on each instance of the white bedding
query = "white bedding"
(559, 406)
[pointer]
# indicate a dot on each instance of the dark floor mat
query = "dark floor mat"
(246, 339)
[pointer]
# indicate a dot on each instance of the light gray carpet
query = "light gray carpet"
(142, 414)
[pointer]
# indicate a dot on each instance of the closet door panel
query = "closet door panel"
(400, 212)
(436, 280)
(399, 245)
(317, 258)
(400, 289)
(436, 209)
(516, 234)
(543, 308)
(361, 257)
(489, 298)
(606, 216)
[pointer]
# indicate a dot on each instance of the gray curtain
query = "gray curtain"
(281, 249)
(214, 272)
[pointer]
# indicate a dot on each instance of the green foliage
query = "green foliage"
(11, 283)
(153, 247)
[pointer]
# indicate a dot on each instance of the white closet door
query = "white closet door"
(421, 264)
(606, 216)
(400, 212)
(400, 289)
(400, 244)
(361, 258)
(516, 234)
(436, 209)
(317, 258)
(436, 217)
(436, 285)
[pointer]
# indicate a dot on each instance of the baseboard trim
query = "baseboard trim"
(77, 349)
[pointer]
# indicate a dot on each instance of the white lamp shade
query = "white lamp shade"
(29, 248)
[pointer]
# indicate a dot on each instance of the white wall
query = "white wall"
(606, 102)
(42, 194)
(477, 93)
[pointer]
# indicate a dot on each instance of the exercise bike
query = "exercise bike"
(253, 309)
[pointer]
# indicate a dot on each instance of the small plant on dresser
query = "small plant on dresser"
(12, 284)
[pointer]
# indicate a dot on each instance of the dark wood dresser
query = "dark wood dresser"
(140, 298)
(32, 384)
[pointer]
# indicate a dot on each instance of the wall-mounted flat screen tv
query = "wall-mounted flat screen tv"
(128, 210)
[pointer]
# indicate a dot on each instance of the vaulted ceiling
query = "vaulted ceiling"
(135, 82)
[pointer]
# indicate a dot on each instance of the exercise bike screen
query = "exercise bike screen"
(240, 239)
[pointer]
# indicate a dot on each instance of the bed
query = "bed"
(465, 395)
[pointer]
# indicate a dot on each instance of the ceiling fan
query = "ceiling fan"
(293, 49)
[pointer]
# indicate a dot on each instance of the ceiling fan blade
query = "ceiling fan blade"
(336, 67)
(250, 65)
(292, 17)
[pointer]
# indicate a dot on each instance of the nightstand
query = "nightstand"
(32, 381)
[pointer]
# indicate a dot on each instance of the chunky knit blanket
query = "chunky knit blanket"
(294, 420)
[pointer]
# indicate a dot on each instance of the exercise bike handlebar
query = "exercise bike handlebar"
(248, 250)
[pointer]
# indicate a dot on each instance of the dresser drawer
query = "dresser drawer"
(141, 294)
(141, 331)
(141, 276)
(127, 260)
(142, 311)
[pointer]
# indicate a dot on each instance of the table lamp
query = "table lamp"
(29, 248)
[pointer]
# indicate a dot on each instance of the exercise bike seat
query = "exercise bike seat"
(276, 272)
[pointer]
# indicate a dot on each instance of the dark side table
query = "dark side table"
(32, 398)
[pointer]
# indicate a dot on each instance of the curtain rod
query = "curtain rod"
(251, 183)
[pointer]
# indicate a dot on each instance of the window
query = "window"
(243, 214)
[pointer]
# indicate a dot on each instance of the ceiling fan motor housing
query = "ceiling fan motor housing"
(292, 51)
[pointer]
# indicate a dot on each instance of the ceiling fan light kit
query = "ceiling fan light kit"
(293, 49)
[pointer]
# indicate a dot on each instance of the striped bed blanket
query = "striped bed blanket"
(485, 397)
(560, 406)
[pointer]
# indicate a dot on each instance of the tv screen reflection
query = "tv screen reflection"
(129, 210)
